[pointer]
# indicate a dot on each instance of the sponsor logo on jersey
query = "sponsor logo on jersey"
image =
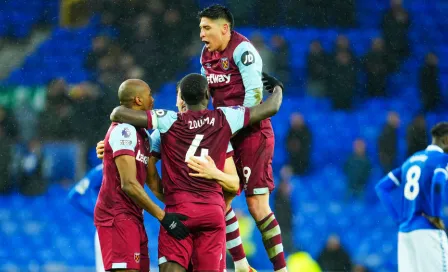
(125, 142)
(137, 257)
(141, 158)
(126, 133)
(247, 58)
(213, 78)
(225, 63)
(161, 113)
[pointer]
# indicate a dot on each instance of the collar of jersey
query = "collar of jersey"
(434, 148)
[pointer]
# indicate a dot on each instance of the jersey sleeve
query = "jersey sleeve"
(229, 151)
(123, 140)
(250, 65)
(385, 187)
(155, 143)
(161, 119)
(395, 176)
(439, 179)
(237, 117)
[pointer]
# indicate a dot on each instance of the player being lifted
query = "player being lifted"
(420, 183)
(118, 212)
(233, 70)
(197, 132)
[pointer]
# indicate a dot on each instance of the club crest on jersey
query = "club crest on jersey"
(208, 65)
(126, 133)
(137, 257)
(225, 63)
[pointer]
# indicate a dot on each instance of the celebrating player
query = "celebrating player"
(154, 182)
(118, 213)
(420, 181)
(83, 196)
(233, 70)
(182, 135)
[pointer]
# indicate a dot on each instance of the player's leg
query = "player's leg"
(255, 168)
(208, 241)
(98, 258)
(175, 255)
(406, 253)
(171, 267)
(144, 252)
(431, 250)
(233, 239)
(120, 244)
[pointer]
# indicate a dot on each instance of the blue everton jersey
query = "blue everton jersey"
(85, 193)
(416, 188)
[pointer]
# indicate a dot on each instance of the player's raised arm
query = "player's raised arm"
(383, 189)
(137, 118)
(272, 105)
(250, 65)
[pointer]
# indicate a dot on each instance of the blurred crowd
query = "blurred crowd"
(146, 39)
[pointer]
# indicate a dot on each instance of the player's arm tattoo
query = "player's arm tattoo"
(269, 108)
(136, 118)
(153, 180)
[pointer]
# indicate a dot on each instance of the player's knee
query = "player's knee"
(258, 206)
(171, 267)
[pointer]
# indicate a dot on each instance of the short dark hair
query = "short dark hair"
(440, 130)
(215, 12)
(193, 88)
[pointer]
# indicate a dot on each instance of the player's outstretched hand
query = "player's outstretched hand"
(172, 222)
(270, 82)
(100, 150)
(204, 168)
(436, 221)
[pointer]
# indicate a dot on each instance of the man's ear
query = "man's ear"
(138, 100)
(445, 140)
(225, 28)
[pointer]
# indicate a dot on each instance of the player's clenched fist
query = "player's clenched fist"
(100, 150)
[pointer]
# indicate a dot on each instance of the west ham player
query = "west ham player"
(154, 181)
(83, 196)
(413, 195)
(233, 70)
(118, 213)
(197, 132)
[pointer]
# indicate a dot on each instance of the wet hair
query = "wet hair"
(440, 130)
(215, 12)
(193, 88)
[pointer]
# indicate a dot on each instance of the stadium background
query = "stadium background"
(61, 64)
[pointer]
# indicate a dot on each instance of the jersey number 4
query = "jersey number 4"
(412, 187)
(194, 147)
